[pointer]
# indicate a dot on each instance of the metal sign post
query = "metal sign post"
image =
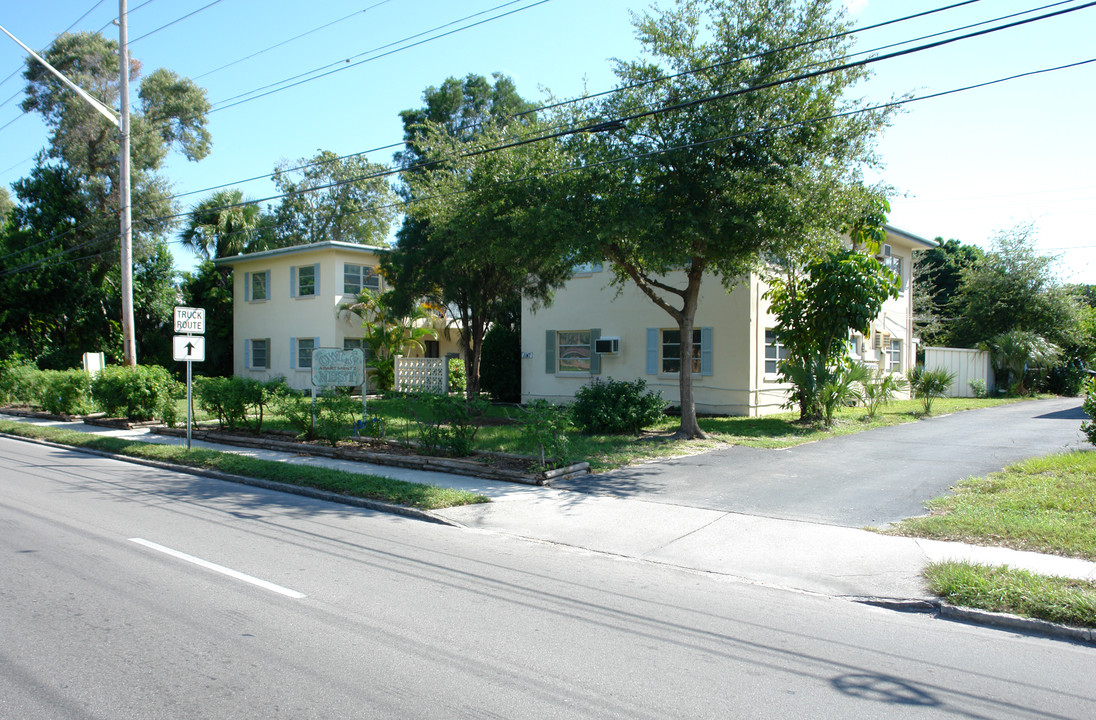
(189, 348)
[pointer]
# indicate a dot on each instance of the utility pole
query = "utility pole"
(129, 344)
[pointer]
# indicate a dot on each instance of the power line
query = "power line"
(173, 22)
(640, 156)
(595, 126)
(742, 59)
(346, 64)
(297, 37)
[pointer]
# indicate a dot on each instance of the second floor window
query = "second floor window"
(356, 277)
(306, 280)
(258, 285)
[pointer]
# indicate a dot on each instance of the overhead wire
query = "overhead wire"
(665, 109)
(296, 37)
(346, 64)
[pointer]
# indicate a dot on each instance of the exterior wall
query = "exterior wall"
(967, 365)
(284, 316)
(588, 303)
(738, 383)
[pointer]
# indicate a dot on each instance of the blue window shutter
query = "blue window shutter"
(316, 281)
(292, 353)
(247, 353)
(706, 351)
(550, 352)
(293, 281)
(595, 359)
(247, 287)
(652, 351)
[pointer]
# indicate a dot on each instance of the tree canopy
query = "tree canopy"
(473, 238)
(344, 199)
(62, 282)
(711, 157)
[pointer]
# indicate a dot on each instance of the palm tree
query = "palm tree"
(387, 334)
(223, 224)
(1015, 350)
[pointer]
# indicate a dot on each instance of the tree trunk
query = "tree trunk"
(690, 428)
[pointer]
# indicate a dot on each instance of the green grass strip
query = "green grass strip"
(1019, 592)
(372, 487)
(1045, 504)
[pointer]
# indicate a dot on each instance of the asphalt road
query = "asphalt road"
(867, 479)
(130, 592)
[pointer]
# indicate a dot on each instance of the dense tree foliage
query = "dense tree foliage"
(344, 199)
(474, 237)
(61, 272)
(937, 277)
(1012, 287)
(705, 162)
(843, 291)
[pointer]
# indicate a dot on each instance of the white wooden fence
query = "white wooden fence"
(967, 365)
(429, 375)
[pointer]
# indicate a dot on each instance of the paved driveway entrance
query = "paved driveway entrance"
(868, 479)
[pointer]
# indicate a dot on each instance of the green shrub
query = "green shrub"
(880, 390)
(66, 392)
(1089, 407)
(447, 423)
(233, 399)
(19, 381)
(978, 387)
(336, 414)
(458, 378)
(500, 364)
(616, 406)
(144, 392)
(545, 425)
(1066, 378)
(928, 385)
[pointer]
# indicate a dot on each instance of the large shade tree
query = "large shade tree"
(64, 234)
(721, 149)
(327, 197)
(478, 218)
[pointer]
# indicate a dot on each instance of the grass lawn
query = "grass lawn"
(1046, 505)
(424, 497)
(605, 452)
(1019, 592)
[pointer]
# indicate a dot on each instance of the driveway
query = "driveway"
(867, 479)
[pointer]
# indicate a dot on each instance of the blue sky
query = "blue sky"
(966, 165)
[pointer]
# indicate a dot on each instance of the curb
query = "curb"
(988, 618)
(314, 493)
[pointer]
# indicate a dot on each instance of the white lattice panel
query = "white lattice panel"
(429, 375)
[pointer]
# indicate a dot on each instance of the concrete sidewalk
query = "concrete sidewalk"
(805, 556)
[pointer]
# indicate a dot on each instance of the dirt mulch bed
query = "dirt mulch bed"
(492, 466)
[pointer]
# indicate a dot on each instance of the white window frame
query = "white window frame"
(893, 353)
(779, 352)
(252, 346)
(365, 276)
(298, 273)
(258, 280)
(675, 356)
(301, 360)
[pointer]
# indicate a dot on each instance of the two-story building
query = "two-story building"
(593, 329)
(286, 303)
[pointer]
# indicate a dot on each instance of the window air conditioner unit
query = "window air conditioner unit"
(607, 346)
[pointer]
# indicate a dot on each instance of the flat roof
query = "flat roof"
(915, 239)
(294, 249)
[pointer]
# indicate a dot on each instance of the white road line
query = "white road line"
(219, 568)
